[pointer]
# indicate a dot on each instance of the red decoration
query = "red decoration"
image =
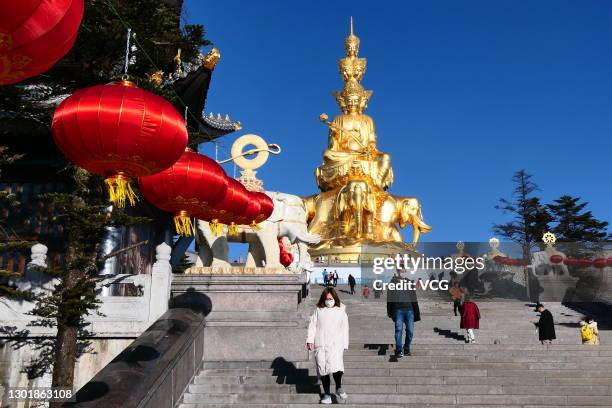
(266, 206)
(556, 259)
(35, 34)
(569, 261)
(285, 257)
(499, 258)
(229, 209)
(599, 263)
(121, 132)
(194, 183)
(251, 213)
(609, 262)
(585, 262)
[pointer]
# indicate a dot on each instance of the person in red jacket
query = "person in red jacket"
(470, 317)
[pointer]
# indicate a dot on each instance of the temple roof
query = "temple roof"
(192, 90)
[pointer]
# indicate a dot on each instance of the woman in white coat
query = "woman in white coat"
(328, 336)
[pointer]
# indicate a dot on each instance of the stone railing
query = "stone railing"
(154, 370)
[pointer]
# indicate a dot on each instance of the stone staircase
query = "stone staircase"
(507, 367)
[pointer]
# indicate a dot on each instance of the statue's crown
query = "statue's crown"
(352, 69)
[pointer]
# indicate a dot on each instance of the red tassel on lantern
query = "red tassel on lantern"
(192, 184)
(35, 35)
(121, 132)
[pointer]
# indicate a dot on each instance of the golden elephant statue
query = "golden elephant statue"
(403, 211)
(354, 208)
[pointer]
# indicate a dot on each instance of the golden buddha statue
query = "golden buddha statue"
(354, 214)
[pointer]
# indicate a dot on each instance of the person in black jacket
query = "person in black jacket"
(546, 325)
(403, 308)
(351, 281)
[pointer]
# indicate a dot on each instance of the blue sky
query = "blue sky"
(465, 93)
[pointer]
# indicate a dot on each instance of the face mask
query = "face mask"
(330, 302)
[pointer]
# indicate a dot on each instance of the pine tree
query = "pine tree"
(9, 241)
(97, 57)
(183, 265)
(574, 224)
(530, 217)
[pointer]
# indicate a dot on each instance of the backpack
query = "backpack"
(586, 333)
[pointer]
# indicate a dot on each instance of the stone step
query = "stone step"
(486, 389)
(424, 399)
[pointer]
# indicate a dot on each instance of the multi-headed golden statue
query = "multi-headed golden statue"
(354, 213)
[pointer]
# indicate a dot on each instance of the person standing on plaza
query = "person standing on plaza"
(470, 318)
(328, 337)
(325, 276)
(546, 325)
(456, 293)
(589, 331)
(403, 308)
(352, 283)
(335, 275)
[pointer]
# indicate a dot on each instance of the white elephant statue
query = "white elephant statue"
(287, 220)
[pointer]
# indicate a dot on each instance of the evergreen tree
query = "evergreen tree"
(574, 224)
(97, 57)
(183, 265)
(530, 218)
(9, 241)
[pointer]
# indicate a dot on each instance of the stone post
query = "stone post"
(160, 282)
(39, 256)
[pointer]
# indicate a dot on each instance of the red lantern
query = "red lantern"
(191, 185)
(251, 213)
(609, 262)
(35, 34)
(266, 206)
(228, 210)
(285, 257)
(585, 262)
(121, 132)
(499, 259)
(599, 263)
(556, 259)
(569, 261)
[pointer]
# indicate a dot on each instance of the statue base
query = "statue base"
(339, 250)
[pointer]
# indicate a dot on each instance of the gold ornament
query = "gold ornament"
(549, 238)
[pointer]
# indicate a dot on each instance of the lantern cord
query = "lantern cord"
(183, 225)
(127, 51)
(119, 189)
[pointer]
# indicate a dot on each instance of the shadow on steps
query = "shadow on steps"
(449, 334)
(287, 373)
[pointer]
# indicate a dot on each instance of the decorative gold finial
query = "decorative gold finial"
(351, 43)
(549, 238)
(211, 59)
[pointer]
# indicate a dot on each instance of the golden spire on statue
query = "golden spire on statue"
(354, 213)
